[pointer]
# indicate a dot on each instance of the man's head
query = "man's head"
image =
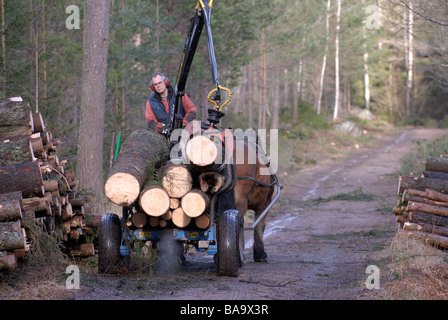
(159, 83)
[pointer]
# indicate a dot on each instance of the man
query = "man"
(160, 104)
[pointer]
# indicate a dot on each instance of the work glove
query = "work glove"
(165, 130)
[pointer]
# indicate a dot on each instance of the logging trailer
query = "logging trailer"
(224, 236)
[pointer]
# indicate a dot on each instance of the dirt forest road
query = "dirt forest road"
(316, 249)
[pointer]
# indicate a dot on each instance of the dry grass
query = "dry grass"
(414, 271)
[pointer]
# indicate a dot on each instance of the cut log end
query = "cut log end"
(180, 219)
(122, 189)
(154, 201)
(177, 180)
(201, 151)
(194, 203)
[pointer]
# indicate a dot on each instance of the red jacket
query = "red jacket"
(156, 124)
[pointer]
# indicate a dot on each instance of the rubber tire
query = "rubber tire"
(109, 258)
(230, 234)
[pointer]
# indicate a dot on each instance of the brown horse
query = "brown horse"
(253, 191)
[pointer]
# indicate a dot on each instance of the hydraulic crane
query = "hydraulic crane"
(200, 20)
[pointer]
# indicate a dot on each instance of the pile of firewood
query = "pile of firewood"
(36, 188)
(164, 193)
(422, 208)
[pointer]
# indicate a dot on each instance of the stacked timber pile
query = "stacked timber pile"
(161, 192)
(422, 209)
(35, 187)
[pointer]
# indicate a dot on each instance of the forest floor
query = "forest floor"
(331, 221)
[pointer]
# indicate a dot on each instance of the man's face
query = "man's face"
(158, 84)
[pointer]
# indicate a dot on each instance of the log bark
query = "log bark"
(410, 182)
(141, 151)
(16, 118)
(210, 181)
(15, 152)
(24, 177)
(435, 175)
(432, 239)
(195, 203)
(8, 260)
(427, 228)
(179, 218)
(177, 180)
(15, 195)
(427, 208)
(426, 218)
(408, 197)
(10, 210)
(154, 200)
(12, 236)
(436, 164)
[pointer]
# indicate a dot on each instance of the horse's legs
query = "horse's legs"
(259, 253)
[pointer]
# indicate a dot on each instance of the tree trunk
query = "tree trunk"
(154, 201)
(410, 59)
(4, 84)
(25, 177)
(250, 117)
(142, 151)
(324, 59)
(276, 104)
(93, 93)
(366, 70)
(336, 62)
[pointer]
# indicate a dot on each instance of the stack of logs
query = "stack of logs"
(36, 188)
(164, 193)
(422, 208)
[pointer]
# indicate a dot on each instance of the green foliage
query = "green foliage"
(414, 162)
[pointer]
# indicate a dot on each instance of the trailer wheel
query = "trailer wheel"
(109, 258)
(230, 243)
